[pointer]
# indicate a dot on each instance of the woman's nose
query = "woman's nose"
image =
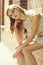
(15, 14)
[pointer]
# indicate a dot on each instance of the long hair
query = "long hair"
(12, 21)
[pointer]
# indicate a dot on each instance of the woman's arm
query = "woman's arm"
(35, 24)
(19, 36)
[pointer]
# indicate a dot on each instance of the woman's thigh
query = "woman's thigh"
(33, 47)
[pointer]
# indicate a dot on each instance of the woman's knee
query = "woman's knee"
(24, 50)
(20, 53)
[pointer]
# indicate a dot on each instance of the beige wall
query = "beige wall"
(37, 5)
(6, 19)
(16, 2)
(28, 4)
(0, 17)
(0, 11)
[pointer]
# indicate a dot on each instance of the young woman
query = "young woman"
(28, 19)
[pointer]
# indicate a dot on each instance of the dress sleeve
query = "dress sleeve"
(32, 13)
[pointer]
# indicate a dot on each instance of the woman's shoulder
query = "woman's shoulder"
(32, 12)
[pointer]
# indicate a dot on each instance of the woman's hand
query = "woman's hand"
(17, 50)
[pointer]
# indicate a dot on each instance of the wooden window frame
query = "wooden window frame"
(2, 12)
(23, 3)
(10, 2)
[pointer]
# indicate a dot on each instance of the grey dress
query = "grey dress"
(28, 25)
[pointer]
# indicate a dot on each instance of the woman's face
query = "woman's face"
(18, 16)
(14, 13)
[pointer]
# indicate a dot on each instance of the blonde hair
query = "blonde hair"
(12, 21)
(14, 6)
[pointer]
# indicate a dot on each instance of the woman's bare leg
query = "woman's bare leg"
(27, 51)
(29, 59)
(20, 59)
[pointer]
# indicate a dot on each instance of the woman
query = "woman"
(30, 20)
